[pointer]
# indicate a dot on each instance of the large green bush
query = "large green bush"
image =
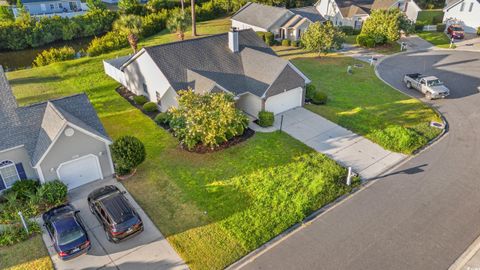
(53, 192)
(322, 38)
(162, 118)
(154, 23)
(127, 153)
(107, 43)
(265, 119)
(150, 107)
(53, 55)
(208, 119)
(384, 26)
(319, 98)
(25, 188)
(399, 139)
(140, 100)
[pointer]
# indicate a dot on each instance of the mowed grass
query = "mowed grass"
(213, 208)
(426, 17)
(439, 39)
(360, 102)
(28, 255)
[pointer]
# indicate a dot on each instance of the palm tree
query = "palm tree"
(178, 23)
(131, 25)
(194, 19)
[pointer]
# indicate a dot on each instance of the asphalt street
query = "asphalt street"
(422, 215)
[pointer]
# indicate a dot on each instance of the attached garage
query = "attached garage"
(284, 101)
(80, 171)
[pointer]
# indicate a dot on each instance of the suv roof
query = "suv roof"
(114, 203)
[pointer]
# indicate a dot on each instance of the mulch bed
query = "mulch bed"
(200, 149)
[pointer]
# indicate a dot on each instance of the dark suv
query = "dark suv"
(115, 213)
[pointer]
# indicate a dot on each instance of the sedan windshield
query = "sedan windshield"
(457, 29)
(69, 235)
(434, 83)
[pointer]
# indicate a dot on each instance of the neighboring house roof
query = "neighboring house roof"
(35, 126)
(383, 4)
(119, 61)
(262, 16)
(350, 8)
(309, 12)
(208, 63)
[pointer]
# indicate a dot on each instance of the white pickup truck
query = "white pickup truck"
(430, 86)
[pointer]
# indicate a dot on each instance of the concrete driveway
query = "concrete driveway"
(349, 149)
(148, 250)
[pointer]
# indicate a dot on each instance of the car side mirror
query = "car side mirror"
(124, 192)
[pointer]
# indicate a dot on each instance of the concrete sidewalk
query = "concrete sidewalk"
(347, 148)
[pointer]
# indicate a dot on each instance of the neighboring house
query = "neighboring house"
(58, 139)
(465, 12)
(353, 12)
(412, 10)
(237, 62)
(62, 8)
(283, 23)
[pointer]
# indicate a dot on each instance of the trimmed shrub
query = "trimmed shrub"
(261, 35)
(265, 119)
(53, 193)
(347, 30)
(25, 188)
(127, 153)
(150, 107)
(54, 55)
(140, 100)
(399, 139)
(269, 38)
(294, 43)
(162, 118)
(441, 27)
(285, 42)
(319, 98)
(365, 41)
(107, 43)
(310, 90)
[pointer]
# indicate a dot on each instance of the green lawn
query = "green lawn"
(438, 39)
(426, 17)
(27, 255)
(351, 39)
(361, 102)
(213, 208)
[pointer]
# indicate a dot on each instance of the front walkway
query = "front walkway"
(148, 250)
(347, 148)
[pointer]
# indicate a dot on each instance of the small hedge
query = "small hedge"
(310, 89)
(261, 35)
(265, 119)
(162, 118)
(294, 43)
(269, 38)
(140, 100)
(365, 41)
(285, 42)
(319, 98)
(111, 41)
(127, 153)
(150, 107)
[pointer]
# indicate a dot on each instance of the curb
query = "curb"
(466, 255)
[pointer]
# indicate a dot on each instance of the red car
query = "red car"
(456, 31)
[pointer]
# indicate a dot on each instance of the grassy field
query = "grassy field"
(427, 17)
(360, 102)
(213, 208)
(27, 255)
(438, 39)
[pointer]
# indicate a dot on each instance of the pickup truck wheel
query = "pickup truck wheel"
(428, 95)
(409, 85)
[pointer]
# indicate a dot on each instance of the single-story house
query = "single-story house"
(62, 8)
(283, 23)
(237, 62)
(353, 12)
(58, 139)
(464, 12)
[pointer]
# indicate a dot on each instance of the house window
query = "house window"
(471, 7)
(60, 5)
(462, 6)
(52, 6)
(9, 173)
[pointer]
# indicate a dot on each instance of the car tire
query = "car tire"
(109, 238)
(409, 85)
(428, 96)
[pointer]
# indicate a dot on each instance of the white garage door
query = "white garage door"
(284, 101)
(80, 171)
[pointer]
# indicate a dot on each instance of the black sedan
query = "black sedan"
(67, 231)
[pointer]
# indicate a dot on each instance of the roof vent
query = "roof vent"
(233, 39)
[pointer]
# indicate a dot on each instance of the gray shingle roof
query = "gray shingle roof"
(35, 126)
(253, 69)
(261, 15)
(309, 12)
(119, 61)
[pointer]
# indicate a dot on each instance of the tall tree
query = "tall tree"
(194, 19)
(178, 22)
(131, 25)
(322, 38)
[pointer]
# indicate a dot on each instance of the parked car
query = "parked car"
(68, 234)
(431, 86)
(112, 209)
(456, 31)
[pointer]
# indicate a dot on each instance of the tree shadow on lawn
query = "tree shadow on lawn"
(34, 79)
